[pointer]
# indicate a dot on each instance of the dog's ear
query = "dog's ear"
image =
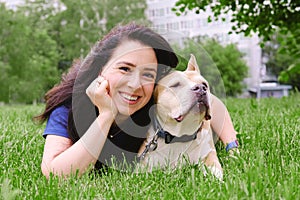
(192, 65)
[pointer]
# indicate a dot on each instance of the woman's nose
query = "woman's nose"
(134, 81)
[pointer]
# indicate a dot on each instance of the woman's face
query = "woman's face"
(131, 74)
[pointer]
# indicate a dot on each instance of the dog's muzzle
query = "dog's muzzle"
(200, 89)
(202, 97)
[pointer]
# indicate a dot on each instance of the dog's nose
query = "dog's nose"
(200, 88)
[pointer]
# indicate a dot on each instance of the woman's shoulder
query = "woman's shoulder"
(58, 122)
(61, 108)
(60, 113)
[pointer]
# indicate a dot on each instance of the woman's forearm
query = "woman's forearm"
(64, 159)
(221, 122)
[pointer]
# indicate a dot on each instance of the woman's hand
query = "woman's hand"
(98, 92)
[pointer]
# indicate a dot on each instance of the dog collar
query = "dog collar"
(169, 138)
(160, 132)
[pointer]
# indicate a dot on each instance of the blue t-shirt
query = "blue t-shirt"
(58, 122)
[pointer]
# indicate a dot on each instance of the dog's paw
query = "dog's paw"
(218, 173)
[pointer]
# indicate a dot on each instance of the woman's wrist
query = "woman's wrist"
(231, 145)
(94, 138)
(106, 117)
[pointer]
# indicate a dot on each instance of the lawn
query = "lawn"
(267, 168)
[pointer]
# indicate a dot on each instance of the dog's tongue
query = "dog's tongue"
(179, 119)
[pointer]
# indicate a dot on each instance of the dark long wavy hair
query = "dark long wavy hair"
(70, 92)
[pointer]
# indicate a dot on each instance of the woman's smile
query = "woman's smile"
(130, 98)
(131, 79)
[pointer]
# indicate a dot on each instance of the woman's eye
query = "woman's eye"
(175, 85)
(149, 75)
(125, 69)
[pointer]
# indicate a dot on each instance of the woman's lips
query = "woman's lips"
(131, 99)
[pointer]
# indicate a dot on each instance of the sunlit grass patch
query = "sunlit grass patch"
(267, 168)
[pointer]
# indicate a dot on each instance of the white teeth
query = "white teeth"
(130, 98)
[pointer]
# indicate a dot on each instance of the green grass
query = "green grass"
(267, 168)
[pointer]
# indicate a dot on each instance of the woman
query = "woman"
(102, 107)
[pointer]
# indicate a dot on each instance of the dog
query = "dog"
(181, 132)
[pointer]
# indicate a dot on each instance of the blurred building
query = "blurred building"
(192, 25)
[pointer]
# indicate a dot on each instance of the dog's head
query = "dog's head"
(183, 100)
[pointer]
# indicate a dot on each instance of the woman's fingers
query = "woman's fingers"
(98, 92)
(99, 80)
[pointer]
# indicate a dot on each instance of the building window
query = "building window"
(173, 26)
(168, 10)
(186, 24)
(202, 22)
(160, 26)
(159, 12)
(151, 13)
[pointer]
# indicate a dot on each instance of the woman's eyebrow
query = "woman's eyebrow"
(126, 63)
(150, 69)
(133, 65)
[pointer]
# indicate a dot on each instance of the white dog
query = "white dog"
(181, 130)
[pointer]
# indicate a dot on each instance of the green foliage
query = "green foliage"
(281, 62)
(277, 61)
(38, 41)
(266, 18)
(268, 166)
(249, 16)
(82, 23)
(4, 82)
(222, 66)
(289, 40)
(290, 47)
(291, 76)
(28, 57)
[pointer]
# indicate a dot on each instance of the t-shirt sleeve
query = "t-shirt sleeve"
(57, 123)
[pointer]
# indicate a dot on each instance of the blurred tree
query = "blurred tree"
(263, 17)
(291, 76)
(41, 38)
(4, 64)
(290, 47)
(82, 23)
(28, 56)
(281, 62)
(222, 66)
(276, 61)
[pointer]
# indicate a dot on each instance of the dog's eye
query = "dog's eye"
(205, 85)
(175, 85)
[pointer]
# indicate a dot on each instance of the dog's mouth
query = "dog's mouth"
(180, 118)
(201, 91)
(202, 104)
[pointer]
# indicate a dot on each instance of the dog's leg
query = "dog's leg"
(213, 164)
(204, 149)
(211, 161)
